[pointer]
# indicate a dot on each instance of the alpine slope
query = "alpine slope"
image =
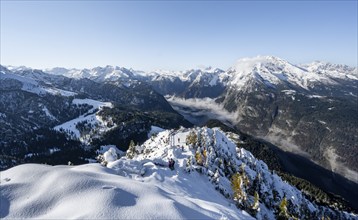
(212, 178)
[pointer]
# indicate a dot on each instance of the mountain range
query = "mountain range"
(310, 112)
(309, 109)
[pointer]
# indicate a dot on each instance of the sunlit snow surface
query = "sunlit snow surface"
(94, 192)
(142, 187)
(33, 86)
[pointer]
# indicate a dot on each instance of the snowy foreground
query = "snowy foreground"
(92, 191)
(141, 186)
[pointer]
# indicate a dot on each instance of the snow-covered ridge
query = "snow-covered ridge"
(191, 75)
(141, 186)
(31, 85)
(214, 156)
(333, 70)
(107, 73)
(273, 70)
(268, 69)
(90, 118)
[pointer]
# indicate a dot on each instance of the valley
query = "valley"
(305, 117)
(294, 163)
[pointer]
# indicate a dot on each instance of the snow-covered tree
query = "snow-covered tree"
(198, 158)
(109, 156)
(188, 164)
(256, 205)
(131, 150)
(192, 138)
(216, 177)
(237, 187)
(283, 212)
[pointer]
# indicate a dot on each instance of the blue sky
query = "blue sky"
(175, 35)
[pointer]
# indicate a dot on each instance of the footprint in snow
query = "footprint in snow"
(108, 187)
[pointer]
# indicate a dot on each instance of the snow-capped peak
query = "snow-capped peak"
(17, 68)
(332, 70)
(272, 71)
(246, 66)
(60, 70)
(107, 73)
(269, 70)
(320, 65)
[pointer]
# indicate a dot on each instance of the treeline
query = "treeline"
(44, 146)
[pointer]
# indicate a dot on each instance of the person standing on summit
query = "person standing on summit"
(171, 163)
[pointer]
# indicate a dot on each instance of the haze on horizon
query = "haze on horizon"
(175, 35)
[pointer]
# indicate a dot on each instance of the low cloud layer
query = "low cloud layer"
(205, 108)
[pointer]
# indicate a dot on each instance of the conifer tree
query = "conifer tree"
(255, 187)
(131, 150)
(244, 177)
(198, 158)
(189, 164)
(192, 138)
(237, 187)
(216, 176)
(283, 212)
(256, 205)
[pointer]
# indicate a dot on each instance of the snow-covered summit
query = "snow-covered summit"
(212, 158)
(61, 71)
(332, 70)
(186, 75)
(272, 71)
(107, 73)
(211, 179)
(32, 81)
(17, 68)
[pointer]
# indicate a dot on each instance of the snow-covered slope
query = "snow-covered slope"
(100, 74)
(31, 85)
(91, 191)
(94, 192)
(273, 70)
(192, 75)
(332, 70)
(89, 119)
(141, 186)
(215, 156)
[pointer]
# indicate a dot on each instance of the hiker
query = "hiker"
(182, 148)
(171, 164)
